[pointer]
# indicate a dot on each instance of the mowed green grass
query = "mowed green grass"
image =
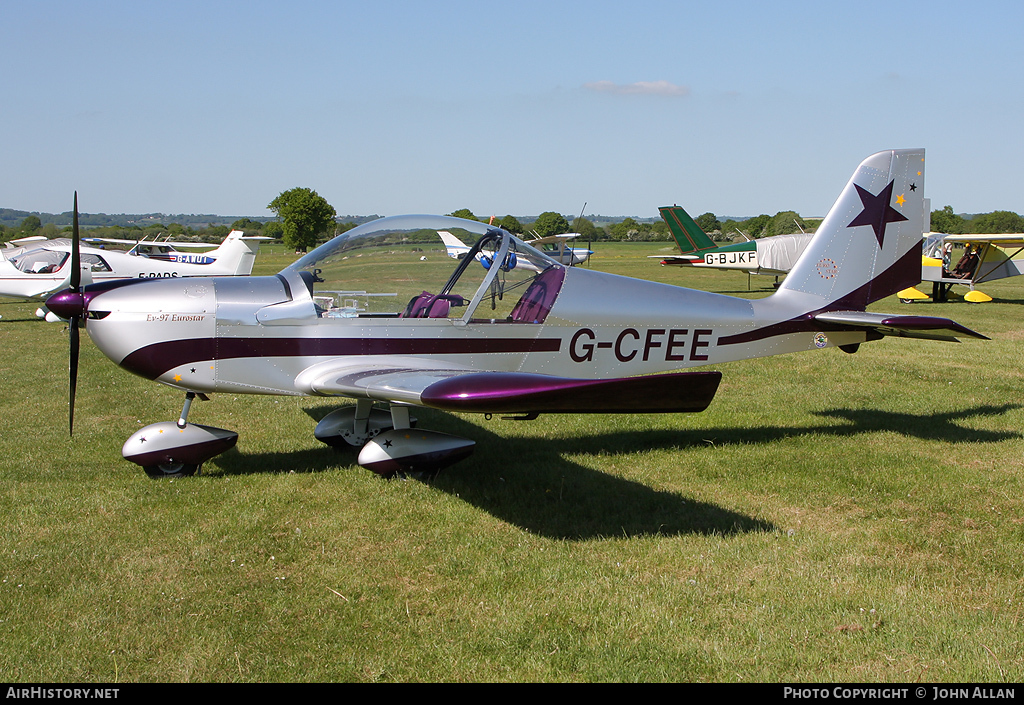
(830, 517)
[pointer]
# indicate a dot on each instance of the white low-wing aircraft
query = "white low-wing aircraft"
(37, 267)
(504, 339)
(773, 255)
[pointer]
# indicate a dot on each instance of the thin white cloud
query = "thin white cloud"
(639, 88)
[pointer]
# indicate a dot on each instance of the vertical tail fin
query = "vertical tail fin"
(456, 248)
(237, 253)
(869, 245)
(687, 233)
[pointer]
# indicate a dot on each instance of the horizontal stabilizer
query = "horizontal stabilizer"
(519, 392)
(929, 327)
(686, 259)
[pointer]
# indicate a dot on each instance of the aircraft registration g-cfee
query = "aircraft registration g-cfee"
(522, 334)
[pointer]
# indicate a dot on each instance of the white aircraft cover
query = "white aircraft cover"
(781, 252)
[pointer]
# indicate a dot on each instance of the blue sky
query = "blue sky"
(388, 107)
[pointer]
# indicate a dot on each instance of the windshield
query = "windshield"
(933, 245)
(427, 267)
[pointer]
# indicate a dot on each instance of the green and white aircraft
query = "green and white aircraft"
(774, 255)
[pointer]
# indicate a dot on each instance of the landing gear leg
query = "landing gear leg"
(400, 418)
(353, 427)
(183, 419)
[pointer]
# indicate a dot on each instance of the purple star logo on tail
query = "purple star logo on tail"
(877, 211)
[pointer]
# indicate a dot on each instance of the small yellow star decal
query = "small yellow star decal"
(177, 378)
(900, 200)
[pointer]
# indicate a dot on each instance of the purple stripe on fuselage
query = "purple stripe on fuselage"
(153, 360)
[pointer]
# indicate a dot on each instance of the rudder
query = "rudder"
(688, 235)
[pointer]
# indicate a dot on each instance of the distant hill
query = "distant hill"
(13, 218)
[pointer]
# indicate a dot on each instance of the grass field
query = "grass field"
(831, 517)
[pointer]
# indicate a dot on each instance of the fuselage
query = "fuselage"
(260, 334)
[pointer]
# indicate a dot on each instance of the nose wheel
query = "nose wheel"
(171, 470)
(172, 449)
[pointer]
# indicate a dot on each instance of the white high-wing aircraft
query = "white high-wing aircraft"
(557, 248)
(502, 339)
(986, 258)
(37, 267)
(554, 246)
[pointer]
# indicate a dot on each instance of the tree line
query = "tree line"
(304, 219)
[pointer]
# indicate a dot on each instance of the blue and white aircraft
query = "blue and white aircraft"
(34, 268)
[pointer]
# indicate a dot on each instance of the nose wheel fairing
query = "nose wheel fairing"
(166, 445)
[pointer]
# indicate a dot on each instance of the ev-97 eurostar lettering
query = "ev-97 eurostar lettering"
(175, 317)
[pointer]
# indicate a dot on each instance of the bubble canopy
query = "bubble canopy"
(430, 267)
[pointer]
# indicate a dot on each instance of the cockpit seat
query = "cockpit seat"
(427, 305)
(539, 297)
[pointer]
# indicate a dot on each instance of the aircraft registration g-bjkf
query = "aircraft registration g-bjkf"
(38, 267)
(509, 332)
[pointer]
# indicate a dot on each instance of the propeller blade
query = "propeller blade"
(73, 333)
(76, 255)
(73, 337)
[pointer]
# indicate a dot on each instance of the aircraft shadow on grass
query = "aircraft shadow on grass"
(11, 314)
(532, 484)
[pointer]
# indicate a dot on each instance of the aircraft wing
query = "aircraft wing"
(23, 240)
(197, 245)
(515, 392)
(115, 241)
(553, 238)
(997, 239)
(172, 243)
(929, 327)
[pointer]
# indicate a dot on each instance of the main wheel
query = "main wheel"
(171, 470)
